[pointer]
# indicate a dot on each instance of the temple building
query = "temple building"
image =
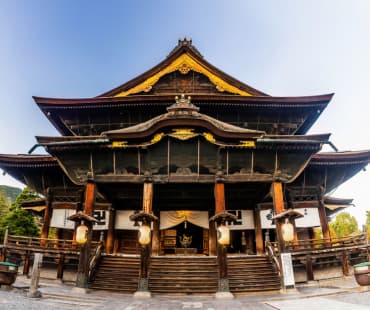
(185, 142)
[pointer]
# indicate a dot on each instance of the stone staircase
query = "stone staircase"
(117, 273)
(252, 274)
(183, 275)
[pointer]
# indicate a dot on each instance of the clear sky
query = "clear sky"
(81, 48)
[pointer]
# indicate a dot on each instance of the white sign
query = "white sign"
(245, 220)
(59, 219)
(123, 220)
(310, 217)
(288, 273)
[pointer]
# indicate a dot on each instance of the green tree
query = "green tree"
(20, 222)
(4, 205)
(344, 225)
(26, 195)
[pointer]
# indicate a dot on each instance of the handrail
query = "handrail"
(323, 244)
(94, 261)
(272, 257)
(43, 244)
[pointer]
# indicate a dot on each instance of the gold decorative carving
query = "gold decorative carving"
(119, 144)
(184, 64)
(247, 143)
(158, 137)
(184, 68)
(209, 137)
(183, 133)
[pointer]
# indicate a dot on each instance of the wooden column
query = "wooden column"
(47, 217)
(212, 242)
(155, 238)
(110, 234)
(60, 269)
(345, 267)
(26, 263)
(83, 265)
(258, 231)
(219, 197)
(278, 201)
(219, 191)
(90, 194)
(148, 197)
(324, 222)
(309, 268)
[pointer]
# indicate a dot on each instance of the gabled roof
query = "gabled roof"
(183, 58)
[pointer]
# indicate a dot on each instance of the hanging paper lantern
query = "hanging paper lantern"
(287, 231)
(223, 235)
(81, 233)
(144, 234)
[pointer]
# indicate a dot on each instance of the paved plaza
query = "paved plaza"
(336, 294)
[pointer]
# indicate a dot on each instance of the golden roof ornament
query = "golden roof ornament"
(183, 106)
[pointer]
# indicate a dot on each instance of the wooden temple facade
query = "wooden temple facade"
(184, 141)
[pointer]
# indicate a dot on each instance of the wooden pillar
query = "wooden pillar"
(148, 197)
(60, 270)
(83, 265)
(324, 223)
(219, 197)
(309, 268)
(90, 194)
(345, 267)
(258, 232)
(278, 201)
(47, 217)
(110, 234)
(212, 239)
(26, 263)
(155, 238)
(219, 192)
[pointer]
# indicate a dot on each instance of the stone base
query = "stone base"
(80, 290)
(224, 295)
(34, 294)
(5, 287)
(364, 288)
(142, 294)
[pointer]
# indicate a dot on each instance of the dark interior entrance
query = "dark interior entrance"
(183, 239)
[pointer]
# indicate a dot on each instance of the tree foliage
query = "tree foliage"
(344, 225)
(20, 222)
(26, 195)
(4, 205)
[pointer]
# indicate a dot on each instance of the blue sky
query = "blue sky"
(81, 48)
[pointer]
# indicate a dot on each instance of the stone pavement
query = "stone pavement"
(338, 294)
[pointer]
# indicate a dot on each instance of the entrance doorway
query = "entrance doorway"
(184, 239)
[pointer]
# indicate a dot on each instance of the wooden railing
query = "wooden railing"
(94, 261)
(273, 258)
(357, 241)
(43, 244)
